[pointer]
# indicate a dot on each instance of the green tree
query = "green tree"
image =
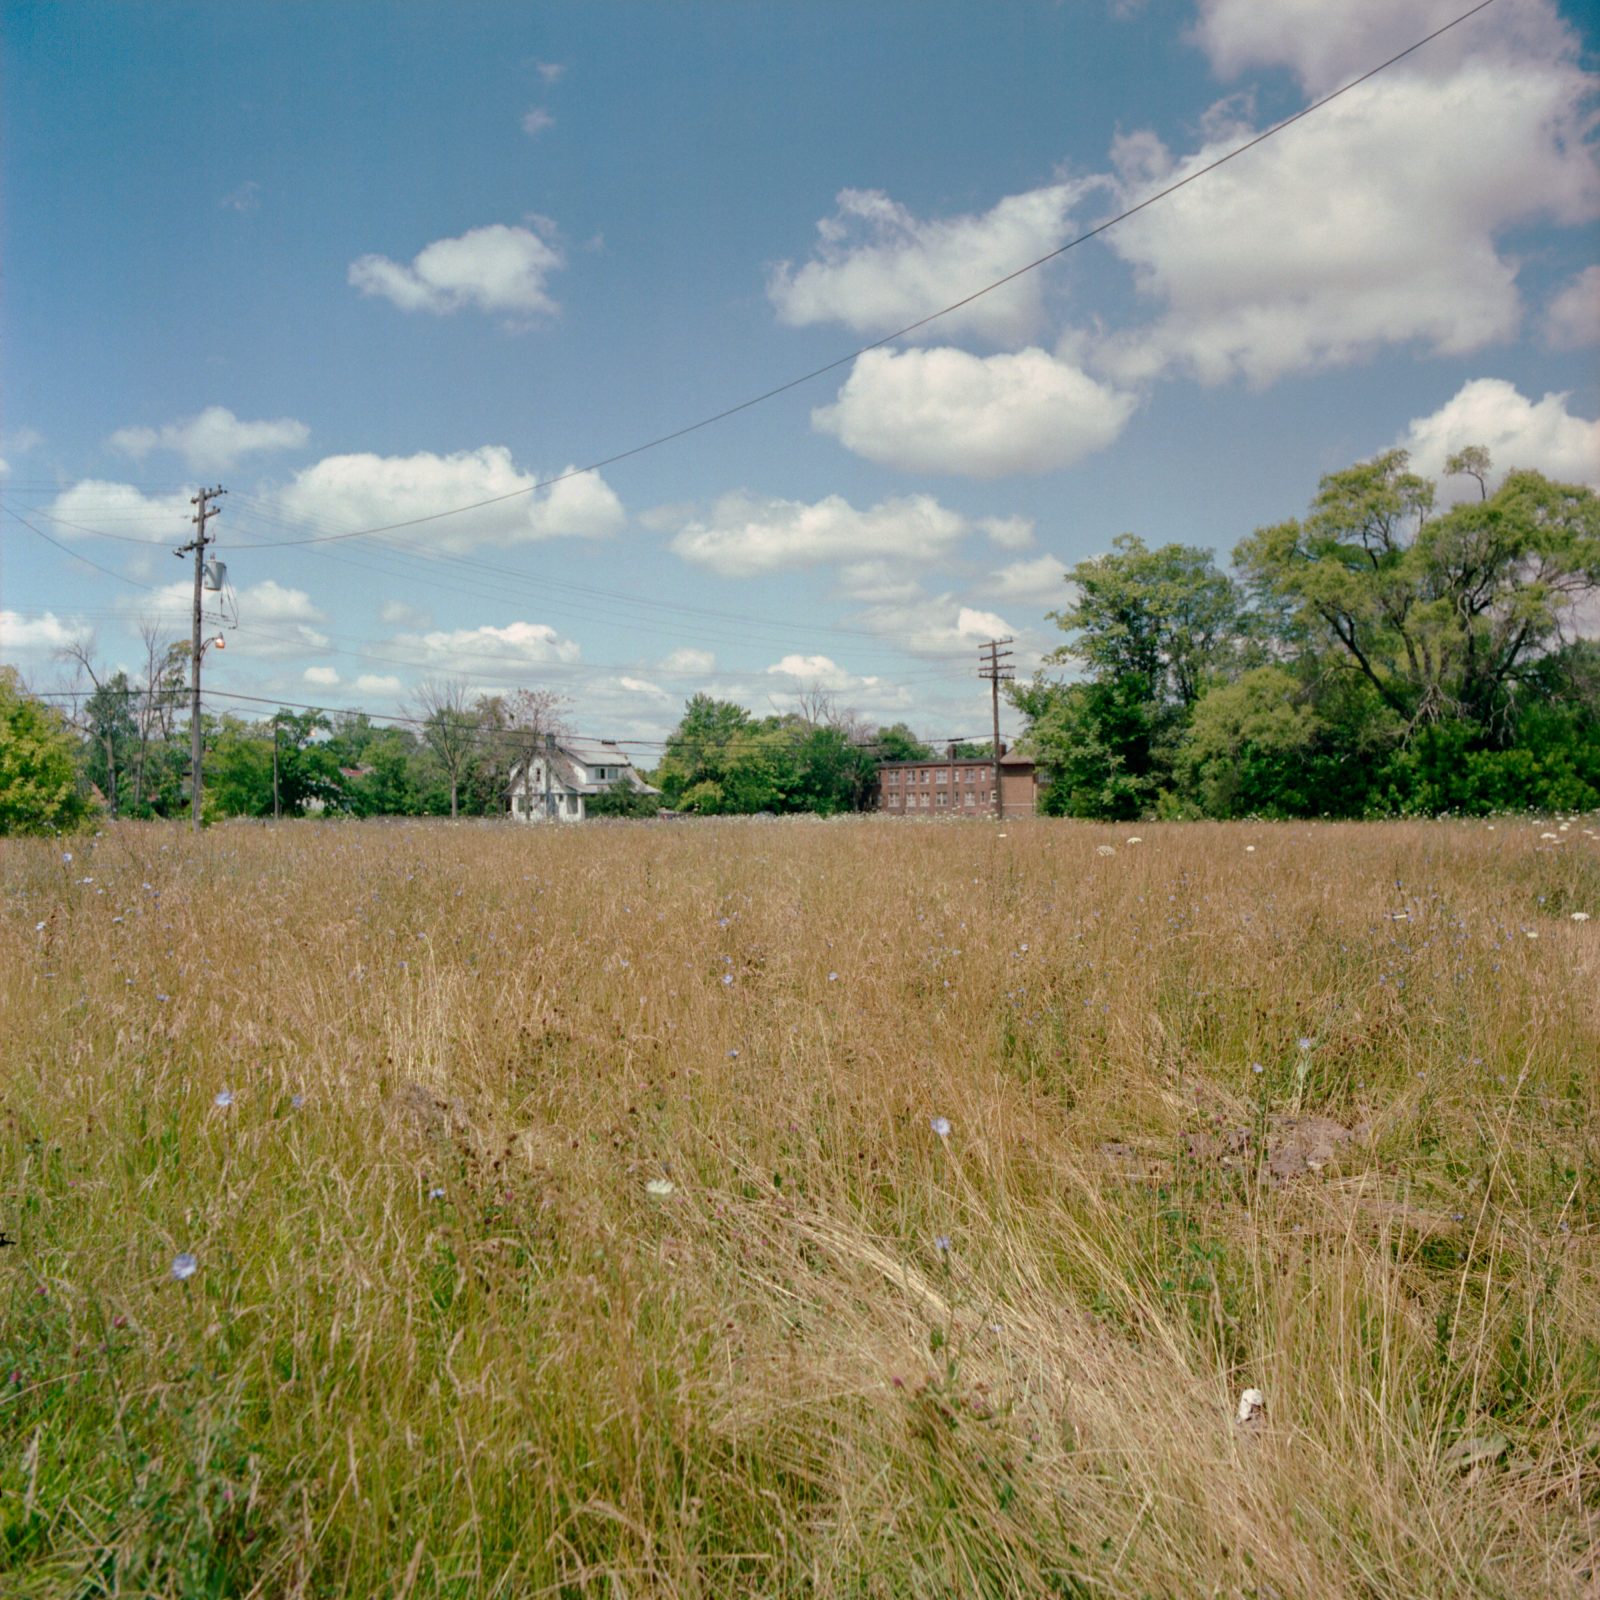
(1150, 629)
(623, 799)
(898, 743)
(39, 790)
(1444, 617)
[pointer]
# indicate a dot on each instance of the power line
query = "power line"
(910, 327)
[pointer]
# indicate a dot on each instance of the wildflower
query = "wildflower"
(1136, 840)
(436, 1193)
(66, 856)
(224, 1099)
(940, 1125)
(941, 1243)
(833, 977)
(1252, 1403)
(184, 1267)
(660, 1187)
(1305, 1044)
(1257, 1068)
(38, 927)
(733, 1055)
(1577, 916)
(1532, 934)
(1250, 849)
(727, 978)
(1104, 850)
(297, 1101)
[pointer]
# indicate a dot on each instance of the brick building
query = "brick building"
(957, 786)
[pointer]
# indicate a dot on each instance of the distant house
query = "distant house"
(958, 786)
(552, 785)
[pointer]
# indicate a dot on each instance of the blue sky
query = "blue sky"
(364, 263)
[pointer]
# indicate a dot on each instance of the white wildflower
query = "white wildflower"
(660, 1187)
(940, 1125)
(184, 1266)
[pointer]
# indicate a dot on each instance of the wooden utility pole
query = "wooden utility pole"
(275, 812)
(203, 514)
(992, 666)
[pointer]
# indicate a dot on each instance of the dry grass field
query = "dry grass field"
(858, 1208)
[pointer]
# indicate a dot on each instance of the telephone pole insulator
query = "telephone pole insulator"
(204, 512)
(992, 659)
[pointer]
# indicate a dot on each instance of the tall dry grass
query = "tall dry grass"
(844, 1355)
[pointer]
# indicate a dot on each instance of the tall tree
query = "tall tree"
(1443, 617)
(449, 730)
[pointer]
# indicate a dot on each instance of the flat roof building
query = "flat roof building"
(961, 786)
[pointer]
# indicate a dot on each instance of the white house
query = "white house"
(552, 785)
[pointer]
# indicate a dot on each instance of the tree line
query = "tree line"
(1377, 657)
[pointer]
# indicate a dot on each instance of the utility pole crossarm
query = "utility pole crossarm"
(204, 512)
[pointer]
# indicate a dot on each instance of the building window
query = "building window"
(944, 799)
(942, 776)
(971, 796)
(894, 778)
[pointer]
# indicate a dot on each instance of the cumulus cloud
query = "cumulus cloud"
(321, 677)
(212, 441)
(1542, 435)
(275, 622)
(495, 269)
(536, 120)
(745, 535)
(1332, 240)
(688, 661)
(645, 687)
(98, 506)
(1042, 581)
(378, 683)
(38, 635)
(877, 580)
(1572, 319)
(934, 625)
(476, 651)
(878, 267)
(368, 491)
(400, 614)
(1326, 46)
(550, 71)
(946, 410)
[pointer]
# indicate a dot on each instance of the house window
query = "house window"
(894, 778)
(942, 776)
(944, 799)
(971, 797)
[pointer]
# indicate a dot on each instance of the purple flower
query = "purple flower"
(184, 1266)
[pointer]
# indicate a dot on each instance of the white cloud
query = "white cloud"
(473, 652)
(365, 491)
(1517, 432)
(935, 625)
(877, 267)
(496, 269)
(274, 622)
(1042, 581)
(1335, 239)
(40, 635)
(1325, 46)
(213, 440)
(536, 121)
(744, 535)
(400, 614)
(98, 506)
(1010, 533)
(1573, 317)
(378, 683)
(877, 580)
(643, 686)
(945, 410)
(551, 71)
(688, 661)
(321, 677)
